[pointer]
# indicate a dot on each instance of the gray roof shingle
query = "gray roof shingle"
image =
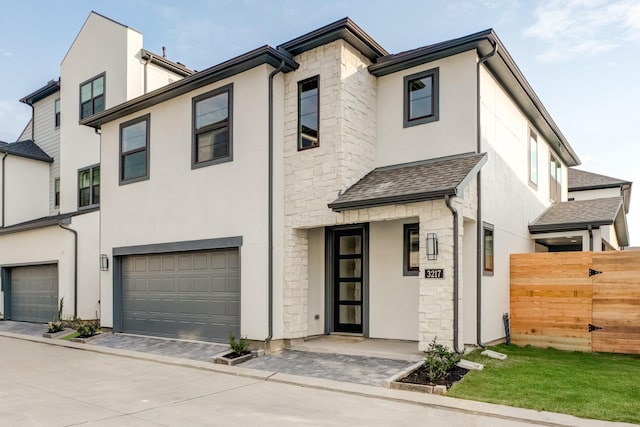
(578, 214)
(411, 182)
(583, 180)
(26, 148)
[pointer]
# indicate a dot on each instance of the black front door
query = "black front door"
(348, 286)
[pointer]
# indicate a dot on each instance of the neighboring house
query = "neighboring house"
(49, 236)
(326, 186)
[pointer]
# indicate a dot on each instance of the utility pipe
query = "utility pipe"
(270, 196)
(3, 185)
(456, 281)
(590, 229)
(479, 205)
(75, 268)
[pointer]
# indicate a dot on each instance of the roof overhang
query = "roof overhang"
(49, 89)
(163, 62)
(344, 29)
(247, 61)
(502, 67)
(47, 221)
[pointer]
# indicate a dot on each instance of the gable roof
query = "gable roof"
(27, 149)
(411, 182)
(501, 66)
(580, 214)
(50, 88)
(583, 180)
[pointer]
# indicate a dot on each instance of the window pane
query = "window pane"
(84, 178)
(488, 250)
(533, 160)
(134, 136)
(96, 175)
(212, 145)
(420, 97)
(350, 245)
(212, 110)
(134, 165)
(350, 291)
(350, 314)
(98, 104)
(85, 92)
(87, 109)
(350, 268)
(308, 114)
(57, 106)
(84, 197)
(414, 250)
(98, 86)
(96, 195)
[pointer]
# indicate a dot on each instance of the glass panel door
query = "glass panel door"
(348, 280)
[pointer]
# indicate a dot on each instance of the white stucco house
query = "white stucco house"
(321, 186)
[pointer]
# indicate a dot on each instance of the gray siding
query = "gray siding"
(48, 138)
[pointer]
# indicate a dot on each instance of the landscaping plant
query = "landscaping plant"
(56, 324)
(89, 328)
(439, 360)
(239, 347)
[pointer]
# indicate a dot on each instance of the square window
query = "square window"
(488, 248)
(134, 150)
(92, 96)
(212, 127)
(89, 186)
(421, 98)
(308, 113)
(56, 113)
(411, 253)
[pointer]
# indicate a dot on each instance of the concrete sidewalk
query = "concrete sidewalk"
(468, 413)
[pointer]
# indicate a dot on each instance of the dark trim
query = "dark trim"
(344, 29)
(104, 94)
(47, 221)
(5, 276)
(91, 205)
(56, 193)
(183, 246)
(456, 275)
(392, 200)
(195, 132)
(174, 67)
(227, 69)
(569, 226)
(3, 198)
(488, 227)
(56, 114)
(434, 73)
(146, 118)
(75, 266)
(300, 83)
(599, 186)
(328, 280)
(533, 135)
(50, 88)
(407, 229)
(116, 271)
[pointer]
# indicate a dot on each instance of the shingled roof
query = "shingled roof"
(580, 214)
(411, 182)
(583, 180)
(26, 148)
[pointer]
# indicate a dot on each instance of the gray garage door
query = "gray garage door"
(34, 293)
(190, 295)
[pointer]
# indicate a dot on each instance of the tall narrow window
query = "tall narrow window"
(533, 159)
(421, 98)
(56, 112)
(488, 248)
(92, 96)
(56, 192)
(555, 172)
(89, 186)
(134, 150)
(308, 113)
(411, 255)
(212, 131)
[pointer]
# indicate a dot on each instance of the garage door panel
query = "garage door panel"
(190, 295)
(34, 293)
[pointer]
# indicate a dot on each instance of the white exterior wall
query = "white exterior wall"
(88, 228)
(47, 137)
(158, 76)
(509, 203)
(453, 133)
(595, 194)
(26, 189)
(393, 297)
(181, 204)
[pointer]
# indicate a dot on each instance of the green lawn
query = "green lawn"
(71, 336)
(590, 385)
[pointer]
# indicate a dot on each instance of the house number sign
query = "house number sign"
(434, 273)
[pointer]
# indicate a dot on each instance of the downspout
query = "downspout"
(456, 281)
(479, 205)
(270, 196)
(590, 229)
(33, 123)
(146, 63)
(75, 268)
(3, 185)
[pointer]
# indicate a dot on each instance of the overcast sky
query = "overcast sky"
(582, 57)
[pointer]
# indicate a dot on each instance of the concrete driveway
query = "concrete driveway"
(61, 385)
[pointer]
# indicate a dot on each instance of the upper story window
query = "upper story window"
(308, 113)
(555, 181)
(212, 127)
(411, 253)
(56, 192)
(487, 235)
(89, 186)
(134, 150)
(421, 98)
(533, 159)
(92, 96)
(56, 112)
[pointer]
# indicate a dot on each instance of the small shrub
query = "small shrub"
(56, 325)
(439, 360)
(238, 346)
(88, 328)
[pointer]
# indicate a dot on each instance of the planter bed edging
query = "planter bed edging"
(59, 334)
(393, 382)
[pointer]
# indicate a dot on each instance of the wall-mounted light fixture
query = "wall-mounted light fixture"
(432, 246)
(104, 262)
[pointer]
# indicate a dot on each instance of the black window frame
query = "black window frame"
(555, 184)
(121, 154)
(407, 270)
(533, 137)
(208, 128)
(56, 113)
(434, 73)
(488, 229)
(102, 75)
(301, 83)
(94, 200)
(56, 193)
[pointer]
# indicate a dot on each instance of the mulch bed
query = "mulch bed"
(419, 376)
(235, 355)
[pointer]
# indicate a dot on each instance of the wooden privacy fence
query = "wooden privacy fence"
(585, 301)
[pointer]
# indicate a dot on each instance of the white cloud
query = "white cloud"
(571, 28)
